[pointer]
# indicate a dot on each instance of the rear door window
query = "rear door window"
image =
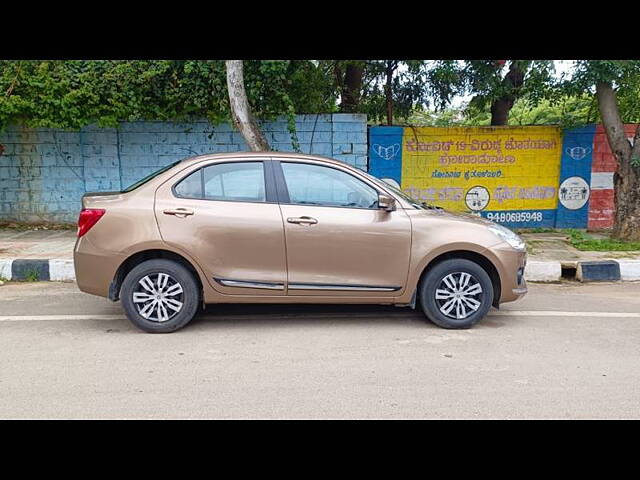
(234, 182)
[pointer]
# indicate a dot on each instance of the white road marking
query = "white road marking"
(495, 313)
(553, 313)
(88, 316)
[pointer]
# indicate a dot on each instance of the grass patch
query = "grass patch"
(31, 276)
(3, 279)
(536, 230)
(532, 245)
(585, 242)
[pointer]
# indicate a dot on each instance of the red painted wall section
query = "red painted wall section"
(604, 164)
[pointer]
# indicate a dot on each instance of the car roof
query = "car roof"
(270, 154)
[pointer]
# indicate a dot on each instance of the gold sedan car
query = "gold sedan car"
(287, 228)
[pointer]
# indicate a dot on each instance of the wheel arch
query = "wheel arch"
(484, 262)
(149, 254)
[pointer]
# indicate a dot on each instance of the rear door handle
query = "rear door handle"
(178, 211)
(302, 220)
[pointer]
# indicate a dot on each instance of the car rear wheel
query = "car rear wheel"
(160, 296)
(456, 293)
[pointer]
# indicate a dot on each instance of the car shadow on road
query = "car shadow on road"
(273, 315)
(317, 314)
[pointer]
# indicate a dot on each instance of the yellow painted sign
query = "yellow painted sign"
(482, 168)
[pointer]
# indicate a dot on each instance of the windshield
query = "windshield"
(149, 177)
(395, 190)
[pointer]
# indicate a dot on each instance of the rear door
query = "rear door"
(225, 216)
(339, 243)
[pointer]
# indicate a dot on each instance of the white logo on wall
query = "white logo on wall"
(574, 193)
(388, 152)
(578, 153)
(477, 198)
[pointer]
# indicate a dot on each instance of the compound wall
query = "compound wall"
(44, 172)
(523, 177)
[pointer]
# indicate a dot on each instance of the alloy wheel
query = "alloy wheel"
(459, 295)
(158, 297)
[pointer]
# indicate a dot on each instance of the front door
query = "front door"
(226, 217)
(338, 242)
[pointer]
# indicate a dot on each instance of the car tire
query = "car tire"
(456, 293)
(170, 285)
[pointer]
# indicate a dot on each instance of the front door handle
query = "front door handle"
(179, 212)
(302, 220)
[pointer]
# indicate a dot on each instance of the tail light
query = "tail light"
(88, 218)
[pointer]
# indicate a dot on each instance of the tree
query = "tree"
(73, 93)
(565, 111)
(491, 87)
(390, 66)
(347, 81)
(502, 105)
(388, 89)
(240, 109)
(615, 83)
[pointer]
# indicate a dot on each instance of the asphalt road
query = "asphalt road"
(65, 354)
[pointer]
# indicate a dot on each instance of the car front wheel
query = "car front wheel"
(160, 296)
(456, 293)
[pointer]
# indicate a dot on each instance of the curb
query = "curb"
(57, 270)
(61, 270)
(586, 271)
(598, 271)
(630, 270)
(542, 271)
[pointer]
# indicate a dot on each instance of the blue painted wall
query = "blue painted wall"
(45, 172)
(575, 177)
(385, 152)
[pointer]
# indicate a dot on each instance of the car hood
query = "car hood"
(457, 216)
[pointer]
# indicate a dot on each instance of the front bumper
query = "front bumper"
(510, 264)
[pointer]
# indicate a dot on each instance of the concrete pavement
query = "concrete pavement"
(529, 360)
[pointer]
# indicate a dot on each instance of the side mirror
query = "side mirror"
(387, 203)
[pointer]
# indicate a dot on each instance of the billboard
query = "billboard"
(507, 174)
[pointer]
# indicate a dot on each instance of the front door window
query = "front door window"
(317, 185)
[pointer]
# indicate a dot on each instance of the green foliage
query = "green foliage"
(624, 75)
(32, 276)
(71, 94)
(485, 80)
(566, 112)
(448, 117)
(535, 230)
(415, 84)
(537, 99)
(584, 242)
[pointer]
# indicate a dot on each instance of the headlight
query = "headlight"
(508, 236)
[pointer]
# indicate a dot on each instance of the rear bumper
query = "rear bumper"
(94, 268)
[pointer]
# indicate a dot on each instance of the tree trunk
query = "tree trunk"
(626, 179)
(351, 87)
(240, 109)
(388, 91)
(501, 107)
(500, 111)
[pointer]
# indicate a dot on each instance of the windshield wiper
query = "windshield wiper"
(430, 206)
